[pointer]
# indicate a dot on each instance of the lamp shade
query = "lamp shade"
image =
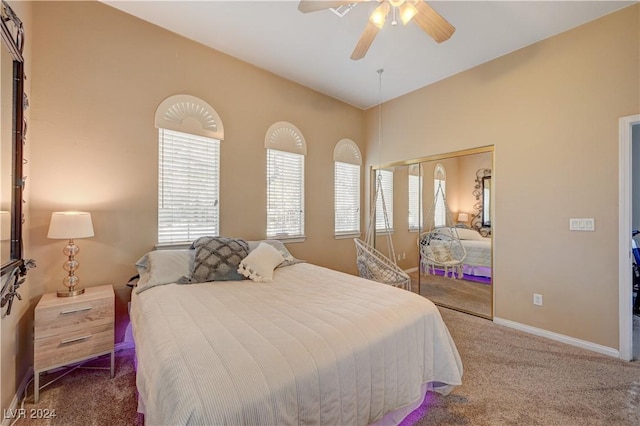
(463, 217)
(70, 225)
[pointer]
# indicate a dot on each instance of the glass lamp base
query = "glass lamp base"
(70, 292)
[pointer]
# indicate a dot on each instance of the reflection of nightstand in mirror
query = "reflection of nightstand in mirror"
(68, 330)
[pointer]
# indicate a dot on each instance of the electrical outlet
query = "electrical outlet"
(404, 256)
(398, 256)
(537, 299)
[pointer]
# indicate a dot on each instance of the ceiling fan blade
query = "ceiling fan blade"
(432, 22)
(306, 6)
(369, 33)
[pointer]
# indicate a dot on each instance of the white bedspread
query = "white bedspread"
(478, 252)
(315, 346)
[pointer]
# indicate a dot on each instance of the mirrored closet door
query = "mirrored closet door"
(441, 232)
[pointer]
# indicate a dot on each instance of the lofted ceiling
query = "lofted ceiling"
(313, 49)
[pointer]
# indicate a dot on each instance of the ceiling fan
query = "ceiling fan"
(417, 11)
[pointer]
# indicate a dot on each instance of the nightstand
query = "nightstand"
(72, 329)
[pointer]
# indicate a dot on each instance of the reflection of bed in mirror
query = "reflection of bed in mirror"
(477, 261)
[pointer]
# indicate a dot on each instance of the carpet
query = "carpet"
(514, 378)
(88, 396)
(510, 378)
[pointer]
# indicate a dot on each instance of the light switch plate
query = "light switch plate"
(582, 224)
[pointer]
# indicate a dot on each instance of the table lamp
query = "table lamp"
(463, 218)
(70, 225)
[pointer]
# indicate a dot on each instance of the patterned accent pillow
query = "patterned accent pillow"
(217, 259)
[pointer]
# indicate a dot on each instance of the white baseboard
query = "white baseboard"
(604, 350)
(15, 402)
(410, 270)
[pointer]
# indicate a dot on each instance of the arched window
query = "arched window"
(189, 135)
(347, 164)
(439, 192)
(286, 149)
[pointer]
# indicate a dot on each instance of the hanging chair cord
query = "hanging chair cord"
(380, 71)
(372, 223)
(372, 264)
(441, 247)
(431, 213)
(369, 239)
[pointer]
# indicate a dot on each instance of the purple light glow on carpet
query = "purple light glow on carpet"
(417, 414)
(474, 278)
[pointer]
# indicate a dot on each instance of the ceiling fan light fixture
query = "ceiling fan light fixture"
(407, 12)
(396, 3)
(379, 16)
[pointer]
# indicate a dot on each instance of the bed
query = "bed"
(308, 346)
(477, 261)
(478, 248)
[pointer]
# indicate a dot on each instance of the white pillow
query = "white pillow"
(260, 263)
(278, 245)
(469, 234)
(164, 266)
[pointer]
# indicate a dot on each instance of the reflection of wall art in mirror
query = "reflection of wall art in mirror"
(486, 201)
(13, 104)
(481, 219)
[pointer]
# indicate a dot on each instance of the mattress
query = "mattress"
(315, 346)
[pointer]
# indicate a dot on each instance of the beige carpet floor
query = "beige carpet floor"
(514, 378)
(88, 396)
(510, 378)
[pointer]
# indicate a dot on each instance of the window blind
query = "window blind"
(415, 202)
(188, 193)
(285, 194)
(387, 190)
(439, 212)
(347, 198)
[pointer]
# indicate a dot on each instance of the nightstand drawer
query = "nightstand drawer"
(64, 319)
(61, 349)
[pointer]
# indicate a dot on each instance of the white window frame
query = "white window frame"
(188, 174)
(347, 182)
(286, 151)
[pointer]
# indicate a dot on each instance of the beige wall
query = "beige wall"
(551, 110)
(98, 76)
(16, 351)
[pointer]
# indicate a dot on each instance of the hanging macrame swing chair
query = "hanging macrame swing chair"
(372, 264)
(440, 248)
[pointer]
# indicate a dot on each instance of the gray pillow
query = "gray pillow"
(217, 259)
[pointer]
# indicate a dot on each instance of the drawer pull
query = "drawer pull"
(71, 311)
(75, 339)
